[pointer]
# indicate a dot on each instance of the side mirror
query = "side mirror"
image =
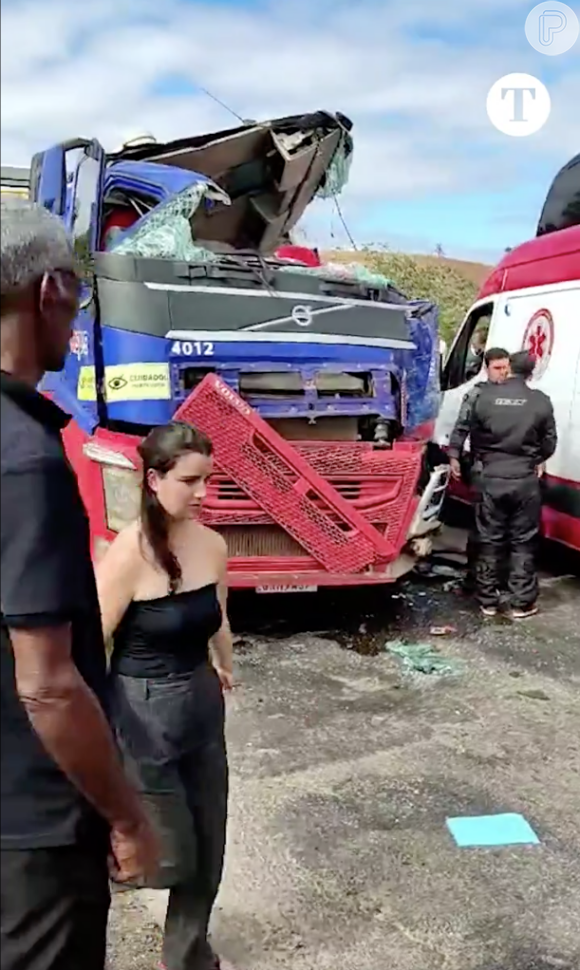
(442, 360)
(88, 292)
(86, 299)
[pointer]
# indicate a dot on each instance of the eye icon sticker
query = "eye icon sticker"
(117, 383)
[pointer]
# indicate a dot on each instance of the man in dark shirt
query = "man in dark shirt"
(497, 365)
(476, 354)
(513, 433)
(66, 804)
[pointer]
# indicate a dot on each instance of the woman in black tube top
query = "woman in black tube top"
(162, 587)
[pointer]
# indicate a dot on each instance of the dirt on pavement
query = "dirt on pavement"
(134, 936)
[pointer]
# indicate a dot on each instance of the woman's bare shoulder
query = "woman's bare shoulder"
(215, 542)
(125, 550)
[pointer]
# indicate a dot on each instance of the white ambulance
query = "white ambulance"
(531, 301)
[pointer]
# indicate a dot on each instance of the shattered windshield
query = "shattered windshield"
(166, 233)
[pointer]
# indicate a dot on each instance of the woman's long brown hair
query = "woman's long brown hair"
(159, 452)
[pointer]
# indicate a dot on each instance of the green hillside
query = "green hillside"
(451, 283)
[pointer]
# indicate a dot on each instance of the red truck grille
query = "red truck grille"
(223, 492)
(265, 541)
(378, 484)
(346, 506)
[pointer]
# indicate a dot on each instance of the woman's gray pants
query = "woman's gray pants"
(171, 734)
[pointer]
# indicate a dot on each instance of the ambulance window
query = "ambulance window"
(466, 358)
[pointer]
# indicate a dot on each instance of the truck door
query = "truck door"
(462, 368)
(68, 180)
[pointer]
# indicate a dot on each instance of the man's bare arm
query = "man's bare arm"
(70, 723)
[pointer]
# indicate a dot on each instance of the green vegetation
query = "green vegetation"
(434, 279)
(84, 258)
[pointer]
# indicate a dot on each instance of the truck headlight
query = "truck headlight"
(121, 485)
(122, 497)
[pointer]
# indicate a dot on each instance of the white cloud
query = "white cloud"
(418, 105)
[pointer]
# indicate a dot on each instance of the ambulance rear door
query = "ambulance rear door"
(546, 322)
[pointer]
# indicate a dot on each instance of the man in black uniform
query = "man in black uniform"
(66, 804)
(513, 433)
(497, 364)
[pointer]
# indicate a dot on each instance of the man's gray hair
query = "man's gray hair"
(34, 242)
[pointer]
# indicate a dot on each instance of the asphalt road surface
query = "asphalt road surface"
(345, 769)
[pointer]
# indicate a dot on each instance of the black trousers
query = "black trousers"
(471, 551)
(471, 477)
(508, 524)
(55, 905)
(171, 734)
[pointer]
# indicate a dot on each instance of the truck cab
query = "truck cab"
(319, 389)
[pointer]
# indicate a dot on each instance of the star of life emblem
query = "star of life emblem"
(538, 340)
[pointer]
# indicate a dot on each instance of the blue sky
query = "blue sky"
(428, 166)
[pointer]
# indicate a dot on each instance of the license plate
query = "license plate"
(286, 589)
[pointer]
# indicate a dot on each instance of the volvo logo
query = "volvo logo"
(302, 315)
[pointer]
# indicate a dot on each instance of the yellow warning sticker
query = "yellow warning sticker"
(22, 192)
(86, 386)
(127, 382)
(137, 382)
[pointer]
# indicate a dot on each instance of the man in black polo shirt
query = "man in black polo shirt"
(66, 804)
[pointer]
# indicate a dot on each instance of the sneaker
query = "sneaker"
(220, 964)
(488, 611)
(525, 613)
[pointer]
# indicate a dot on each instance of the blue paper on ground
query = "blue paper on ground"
(492, 830)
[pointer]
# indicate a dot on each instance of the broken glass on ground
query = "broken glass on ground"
(423, 658)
